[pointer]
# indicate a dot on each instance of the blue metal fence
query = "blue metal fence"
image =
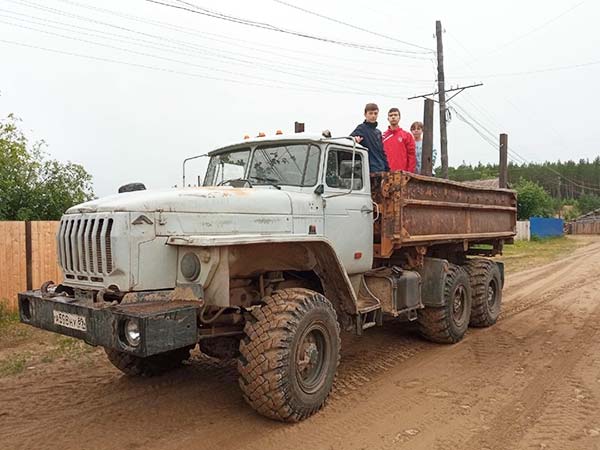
(546, 227)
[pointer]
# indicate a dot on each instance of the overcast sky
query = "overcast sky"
(131, 88)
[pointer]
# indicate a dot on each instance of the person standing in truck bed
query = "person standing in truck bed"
(399, 145)
(367, 135)
(417, 131)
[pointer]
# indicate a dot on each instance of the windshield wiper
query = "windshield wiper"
(269, 181)
(235, 182)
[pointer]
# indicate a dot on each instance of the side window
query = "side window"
(338, 173)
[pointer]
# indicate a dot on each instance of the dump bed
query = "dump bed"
(416, 210)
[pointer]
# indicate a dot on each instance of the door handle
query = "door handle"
(365, 210)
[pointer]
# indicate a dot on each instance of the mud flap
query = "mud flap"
(433, 274)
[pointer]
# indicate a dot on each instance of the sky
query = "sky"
(130, 88)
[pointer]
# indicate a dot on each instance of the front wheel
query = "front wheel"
(290, 354)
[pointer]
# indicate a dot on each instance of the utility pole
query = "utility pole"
(441, 94)
(442, 99)
(427, 150)
(503, 178)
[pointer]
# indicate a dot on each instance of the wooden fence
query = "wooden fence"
(523, 231)
(592, 227)
(27, 258)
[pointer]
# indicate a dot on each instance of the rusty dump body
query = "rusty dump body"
(420, 211)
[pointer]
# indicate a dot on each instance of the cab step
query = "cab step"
(369, 313)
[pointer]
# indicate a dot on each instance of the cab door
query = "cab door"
(348, 207)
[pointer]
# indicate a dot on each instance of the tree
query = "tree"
(588, 202)
(33, 187)
(533, 200)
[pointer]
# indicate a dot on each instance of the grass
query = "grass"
(66, 347)
(527, 254)
(59, 347)
(10, 327)
(7, 318)
(16, 339)
(13, 365)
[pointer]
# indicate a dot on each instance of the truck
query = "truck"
(288, 242)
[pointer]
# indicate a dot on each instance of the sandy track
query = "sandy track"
(530, 382)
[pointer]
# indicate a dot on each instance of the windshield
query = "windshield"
(275, 164)
(226, 166)
(293, 165)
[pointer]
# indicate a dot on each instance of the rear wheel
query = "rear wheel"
(289, 357)
(448, 324)
(486, 285)
(133, 365)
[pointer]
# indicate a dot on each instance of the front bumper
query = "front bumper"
(164, 325)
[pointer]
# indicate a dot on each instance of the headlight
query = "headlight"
(190, 266)
(132, 333)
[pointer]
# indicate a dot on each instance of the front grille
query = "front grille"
(85, 245)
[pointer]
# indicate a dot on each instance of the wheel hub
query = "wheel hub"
(308, 356)
(491, 294)
(310, 360)
(458, 303)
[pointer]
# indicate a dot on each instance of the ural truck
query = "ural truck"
(288, 242)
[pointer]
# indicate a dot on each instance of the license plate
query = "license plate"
(68, 320)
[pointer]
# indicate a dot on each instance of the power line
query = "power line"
(143, 66)
(534, 30)
(223, 38)
(355, 27)
(535, 71)
(271, 84)
(216, 53)
(523, 159)
(121, 38)
(266, 26)
(491, 136)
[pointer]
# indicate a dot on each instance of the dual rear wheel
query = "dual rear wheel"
(472, 296)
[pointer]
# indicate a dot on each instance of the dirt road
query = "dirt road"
(530, 382)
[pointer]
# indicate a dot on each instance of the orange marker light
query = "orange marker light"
(357, 255)
(279, 132)
(246, 136)
(261, 134)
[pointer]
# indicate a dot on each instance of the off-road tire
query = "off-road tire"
(133, 365)
(292, 323)
(447, 324)
(225, 347)
(486, 288)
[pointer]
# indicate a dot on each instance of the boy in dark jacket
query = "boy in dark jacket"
(367, 135)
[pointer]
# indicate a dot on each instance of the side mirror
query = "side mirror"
(319, 189)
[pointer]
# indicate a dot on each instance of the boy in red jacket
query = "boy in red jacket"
(399, 145)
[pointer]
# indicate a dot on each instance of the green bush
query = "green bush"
(533, 200)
